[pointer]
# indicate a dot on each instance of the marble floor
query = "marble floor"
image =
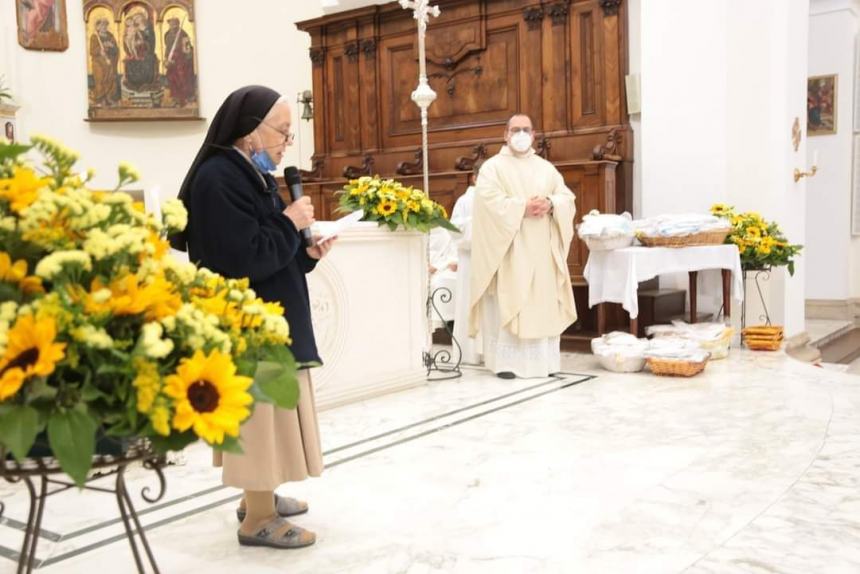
(753, 466)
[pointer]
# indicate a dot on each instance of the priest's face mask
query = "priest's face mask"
(273, 135)
(520, 134)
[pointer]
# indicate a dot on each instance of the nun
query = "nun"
(239, 226)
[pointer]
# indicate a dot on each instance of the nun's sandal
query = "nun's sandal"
(273, 535)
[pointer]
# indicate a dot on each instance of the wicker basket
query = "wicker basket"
(596, 243)
(675, 367)
(763, 337)
(715, 237)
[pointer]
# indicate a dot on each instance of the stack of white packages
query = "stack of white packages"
(677, 225)
(676, 348)
(715, 338)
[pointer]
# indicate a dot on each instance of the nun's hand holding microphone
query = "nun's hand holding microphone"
(301, 213)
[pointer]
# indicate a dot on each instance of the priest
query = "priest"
(521, 298)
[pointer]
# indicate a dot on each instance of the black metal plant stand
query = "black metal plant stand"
(440, 362)
(38, 475)
(757, 275)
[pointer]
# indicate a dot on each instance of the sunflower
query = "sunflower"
(30, 351)
(22, 189)
(10, 381)
(386, 207)
(209, 396)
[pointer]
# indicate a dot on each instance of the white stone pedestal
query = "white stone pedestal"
(368, 303)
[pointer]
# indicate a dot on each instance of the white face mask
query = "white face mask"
(521, 142)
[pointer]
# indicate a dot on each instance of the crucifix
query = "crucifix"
(423, 95)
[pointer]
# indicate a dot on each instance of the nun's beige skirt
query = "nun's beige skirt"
(279, 445)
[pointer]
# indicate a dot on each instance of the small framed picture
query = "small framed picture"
(821, 105)
(42, 25)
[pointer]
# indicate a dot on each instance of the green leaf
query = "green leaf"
(230, 444)
(72, 436)
(18, 429)
(246, 367)
(277, 383)
(12, 151)
(791, 268)
(176, 441)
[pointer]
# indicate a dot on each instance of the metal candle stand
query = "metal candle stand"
(36, 473)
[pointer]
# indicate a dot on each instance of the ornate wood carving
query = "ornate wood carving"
(352, 172)
(412, 167)
(317, 57)
(558, 12)
(543, 147)
(351, 51)
(610, 7)
(533, 17)
(611, 150)
(468, 162)
(449, 77)
(369, 48)
(316, 171)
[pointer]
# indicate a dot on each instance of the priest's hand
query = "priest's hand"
(320, 248)
(301, 213)
(538, 206)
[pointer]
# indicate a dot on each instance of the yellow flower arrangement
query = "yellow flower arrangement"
(103, 332)
(761, 243)
(390, 203)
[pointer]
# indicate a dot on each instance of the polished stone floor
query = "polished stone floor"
(753, 466)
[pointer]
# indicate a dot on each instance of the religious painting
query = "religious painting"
(821, 105)
(141, 60)
(42, 24)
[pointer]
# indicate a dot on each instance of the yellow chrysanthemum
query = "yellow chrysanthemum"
(386, 207)
(209, 396)
(17, 273)
(22, 189)
(31, 349)
(155, 300)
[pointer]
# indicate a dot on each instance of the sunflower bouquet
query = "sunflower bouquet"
(761, 243)
(104, 335)
(389, 202)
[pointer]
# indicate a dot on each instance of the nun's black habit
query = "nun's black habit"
(236, 226)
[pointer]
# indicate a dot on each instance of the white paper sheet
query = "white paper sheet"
(328, 229)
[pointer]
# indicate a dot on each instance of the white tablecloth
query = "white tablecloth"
(614, 276)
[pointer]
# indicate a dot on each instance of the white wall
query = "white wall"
(239, 43)
(832, 31)
(721, 85)
(683, 127)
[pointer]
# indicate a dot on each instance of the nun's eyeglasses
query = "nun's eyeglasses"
(289, 137)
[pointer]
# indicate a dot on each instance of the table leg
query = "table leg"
(634, 326)
(727, 293)
(694, 295)
(601, 319)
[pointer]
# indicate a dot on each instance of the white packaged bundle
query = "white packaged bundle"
(620, 352)
(605, 231)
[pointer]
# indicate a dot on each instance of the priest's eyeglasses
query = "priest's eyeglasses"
(520, 130)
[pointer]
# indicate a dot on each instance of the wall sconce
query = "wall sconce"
(306, 98)
(798, 174)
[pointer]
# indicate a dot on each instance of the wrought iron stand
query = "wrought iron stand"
(440, 361)
(757, 274)
(37, 474)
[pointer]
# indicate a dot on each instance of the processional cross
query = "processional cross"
(423, 95)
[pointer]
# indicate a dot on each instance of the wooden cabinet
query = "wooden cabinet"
(562, 62)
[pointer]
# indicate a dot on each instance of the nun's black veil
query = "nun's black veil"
(239, 115)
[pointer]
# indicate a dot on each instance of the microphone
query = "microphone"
(293, 179)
